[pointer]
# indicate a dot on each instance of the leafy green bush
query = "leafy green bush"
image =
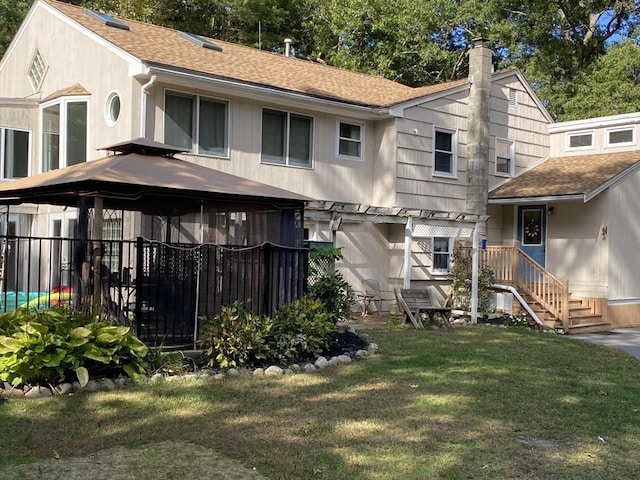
(301, 330)
(329, 286)
(235, 337)
(461, 281)
(46, 346)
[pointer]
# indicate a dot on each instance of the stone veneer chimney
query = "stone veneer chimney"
(480, 70)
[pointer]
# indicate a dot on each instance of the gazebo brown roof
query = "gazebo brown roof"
(144, 177)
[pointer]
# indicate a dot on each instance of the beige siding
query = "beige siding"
(623, 238)
(81, 61)
(330, 178)
(418, 187)
(599, 128)
(575, 249)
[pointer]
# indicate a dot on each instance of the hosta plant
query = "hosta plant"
(48, 346)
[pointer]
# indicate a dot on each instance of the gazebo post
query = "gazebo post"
(97, 250)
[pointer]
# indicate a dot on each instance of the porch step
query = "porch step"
(593, 327)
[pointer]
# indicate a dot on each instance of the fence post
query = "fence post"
(267, 293)
(514, 262)
(565, 306)
(139, 275)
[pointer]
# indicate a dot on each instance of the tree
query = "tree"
(611, 85)
(12, 12)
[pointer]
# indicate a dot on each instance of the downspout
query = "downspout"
(143, 105)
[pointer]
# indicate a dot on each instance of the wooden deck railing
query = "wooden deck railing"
(511, 266)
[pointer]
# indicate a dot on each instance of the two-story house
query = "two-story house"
(386, 163)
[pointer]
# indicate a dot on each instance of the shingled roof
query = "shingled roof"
(160, 46)
(568, 176)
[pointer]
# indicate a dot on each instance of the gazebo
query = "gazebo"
(246, 244)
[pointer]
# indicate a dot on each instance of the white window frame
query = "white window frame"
(37, 70)
(3, 133)
(454, 153)
(287, 133)
(512, 157)
(108, 108)
(360, 141)
(195, 134)
(448, 253)
(607, 137)
(64, 102)
(570, 135)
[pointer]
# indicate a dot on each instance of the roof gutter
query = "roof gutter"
(273, 94)
(530, 200)
(144, 91)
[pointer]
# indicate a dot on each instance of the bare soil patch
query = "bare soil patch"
(165, 460)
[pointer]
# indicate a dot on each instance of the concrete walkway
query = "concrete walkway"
(627, 339)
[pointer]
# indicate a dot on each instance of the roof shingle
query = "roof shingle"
(560, 176)
(163, 46)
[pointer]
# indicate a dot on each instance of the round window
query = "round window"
(112, 111)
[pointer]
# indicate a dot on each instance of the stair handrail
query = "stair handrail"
(547, 291)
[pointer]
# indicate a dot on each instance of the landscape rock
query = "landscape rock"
(273, 371)
(91, 386)
(308, 367)
(288, 371)
(333, 362)
(64, 388)
(372, 348)
(120, 382)
(321, 363)
(258, 372)
(296, 368)
(362, 354)
(156, 377)
(12, 392)
(38, 392)
(219, 376)
(233, 372)
(106, 384)
(344, 359)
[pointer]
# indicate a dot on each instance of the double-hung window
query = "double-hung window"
(444, 152)
(287, 138)
(350, 140)
(442, 252)
(504, 157)
(197, 124)
(14, 153)
(64, 134)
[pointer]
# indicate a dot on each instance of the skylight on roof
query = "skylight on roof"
(198, 40)
(107, 19)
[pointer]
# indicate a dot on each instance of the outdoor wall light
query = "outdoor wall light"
(550, 210)
(604, 232)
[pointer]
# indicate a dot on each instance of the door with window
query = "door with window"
(532, 231)
(63, 230)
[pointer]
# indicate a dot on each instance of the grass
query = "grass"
(472, 403)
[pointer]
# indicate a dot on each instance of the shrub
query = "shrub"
(235, 337)
(46, 346)
(302, 329)
(329, 286)
(461, 281)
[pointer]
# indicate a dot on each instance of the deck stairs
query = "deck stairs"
(583, 316)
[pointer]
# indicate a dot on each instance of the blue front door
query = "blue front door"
(532, 231)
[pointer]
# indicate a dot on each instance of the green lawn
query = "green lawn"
(472, 403)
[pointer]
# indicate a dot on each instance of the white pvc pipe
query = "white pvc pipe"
(524, 304)
(408, 240)
(474, 275)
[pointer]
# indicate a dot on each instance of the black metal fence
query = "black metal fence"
(164, 291)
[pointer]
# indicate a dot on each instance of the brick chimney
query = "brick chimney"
(480, 70)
